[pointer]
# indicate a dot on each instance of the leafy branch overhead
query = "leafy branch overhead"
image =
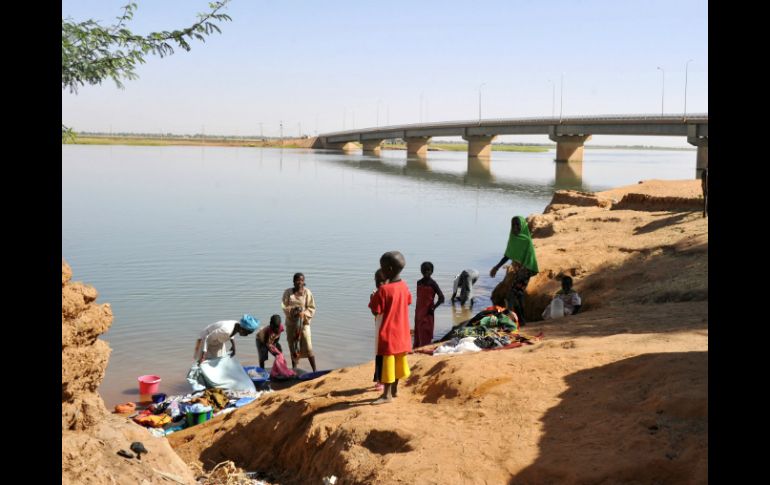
(91, 53)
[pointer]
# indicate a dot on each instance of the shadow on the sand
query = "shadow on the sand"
(638, 420)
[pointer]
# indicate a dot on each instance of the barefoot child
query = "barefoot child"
(427, 289)
(392, 300)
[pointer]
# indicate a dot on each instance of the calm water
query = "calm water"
(175, 238)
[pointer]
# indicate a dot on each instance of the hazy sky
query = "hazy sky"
(329, 65)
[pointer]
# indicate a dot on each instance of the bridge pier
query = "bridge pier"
(479, 145)
(417, 146)
(372, 147)
(702, 160)
(569, 148)
(695, 138)
(346, 146)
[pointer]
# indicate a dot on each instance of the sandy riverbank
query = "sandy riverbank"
(616, 394)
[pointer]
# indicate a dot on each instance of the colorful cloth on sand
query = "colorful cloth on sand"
(216, 398)
(125, 408)
(515, 340)
(153, 420)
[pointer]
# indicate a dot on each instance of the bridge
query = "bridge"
(570, 134)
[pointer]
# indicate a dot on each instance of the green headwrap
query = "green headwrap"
(521, 249)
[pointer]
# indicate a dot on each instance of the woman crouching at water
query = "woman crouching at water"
(299, 307)
(521, 251)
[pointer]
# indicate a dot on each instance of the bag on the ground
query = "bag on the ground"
(222, 372)
(280, 370)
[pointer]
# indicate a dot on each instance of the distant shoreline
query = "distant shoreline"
(230, 141)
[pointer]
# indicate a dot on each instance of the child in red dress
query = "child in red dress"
(427, 289)
(392, 300)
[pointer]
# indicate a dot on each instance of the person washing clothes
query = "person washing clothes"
(268, 340)
(299, 307)
(521, 251)
(464, 282)
(213, 338)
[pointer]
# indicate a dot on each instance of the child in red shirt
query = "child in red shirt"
(392, 300)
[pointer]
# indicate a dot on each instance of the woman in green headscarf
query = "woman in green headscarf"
(521, 252)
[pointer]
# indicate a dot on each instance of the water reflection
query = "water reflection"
(417, 164)
(569, 175)
(479, 171)
(419, 168)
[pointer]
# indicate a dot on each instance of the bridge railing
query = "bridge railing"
(537, 120)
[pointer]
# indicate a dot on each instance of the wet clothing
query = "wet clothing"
(298, 328)
(214, 337)
(392, 300)
(423, 312)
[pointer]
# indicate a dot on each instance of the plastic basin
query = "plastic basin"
(264, 376)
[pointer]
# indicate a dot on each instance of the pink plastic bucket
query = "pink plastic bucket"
(149, 384)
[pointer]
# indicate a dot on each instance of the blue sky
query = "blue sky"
(327, 65)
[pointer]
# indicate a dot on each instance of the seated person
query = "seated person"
(465, 281)
(267, 340)
(569, 297)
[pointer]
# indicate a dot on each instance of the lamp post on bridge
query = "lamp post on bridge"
(422, 94)
(663, 88)
(553, 98)
(561, 97)
(481, 86)
(378, 112)
(686, 65)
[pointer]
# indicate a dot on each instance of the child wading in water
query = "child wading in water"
(379, 280)
(392, 300)
(427, 289)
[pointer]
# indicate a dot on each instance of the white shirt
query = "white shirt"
(216, 335)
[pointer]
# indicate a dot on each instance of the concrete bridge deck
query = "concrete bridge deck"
(570, 134)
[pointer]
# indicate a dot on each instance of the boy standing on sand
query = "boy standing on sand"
(379, 280)
(392, 300)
